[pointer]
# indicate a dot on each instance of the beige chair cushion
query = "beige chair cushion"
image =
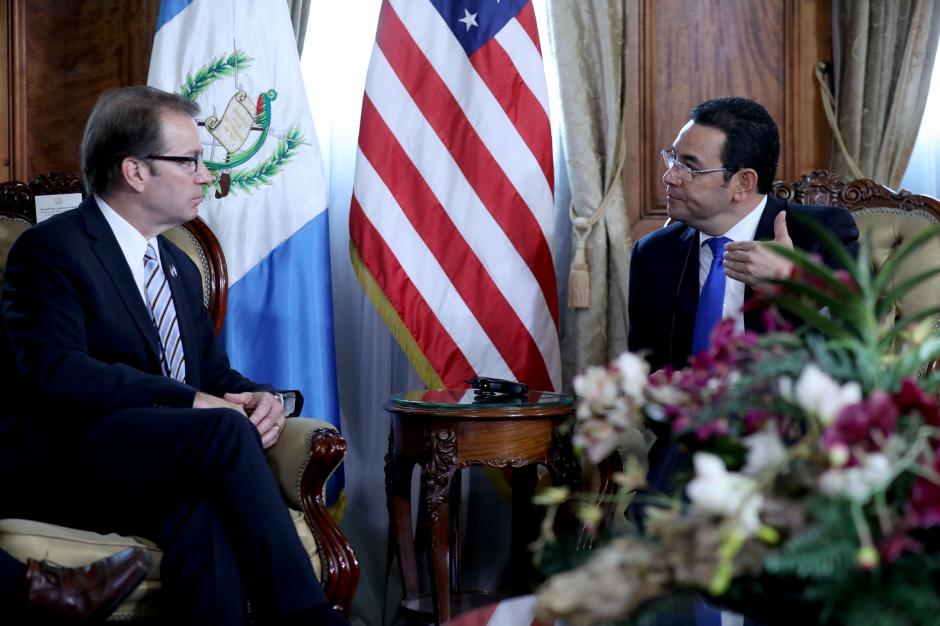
(888, 229)
(10, 230)
(188, 244)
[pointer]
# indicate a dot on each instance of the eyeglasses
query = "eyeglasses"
(192, 161)
(685, 172)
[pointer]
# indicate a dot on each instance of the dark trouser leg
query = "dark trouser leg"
(137, 471)
(13, 588)
(203, 585)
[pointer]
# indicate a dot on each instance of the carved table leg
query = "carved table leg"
(398, 493)
(566, 470)
(564, 466)
(525, 527)
(439, 467)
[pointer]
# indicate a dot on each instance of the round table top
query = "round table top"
(468, 398)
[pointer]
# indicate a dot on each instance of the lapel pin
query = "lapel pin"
(173, 271)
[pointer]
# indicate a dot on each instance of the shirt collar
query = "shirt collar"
(746, 227)
(132, 243)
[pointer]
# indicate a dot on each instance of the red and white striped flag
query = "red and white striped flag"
(513, 612)
(452, 208)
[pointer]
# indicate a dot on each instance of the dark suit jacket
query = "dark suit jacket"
(79, 336)
(664, 282)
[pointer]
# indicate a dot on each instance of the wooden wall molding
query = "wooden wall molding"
(16, 25)
(62, 54)
(680, 52)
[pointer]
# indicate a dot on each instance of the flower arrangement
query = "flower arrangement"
(813, 481)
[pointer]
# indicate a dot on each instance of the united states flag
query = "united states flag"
(513, 612)
(452, 208)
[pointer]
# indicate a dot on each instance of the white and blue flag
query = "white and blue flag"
(237, 59)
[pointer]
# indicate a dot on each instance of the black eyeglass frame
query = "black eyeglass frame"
(195, 160)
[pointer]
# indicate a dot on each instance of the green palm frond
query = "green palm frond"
(250, 179)
(885, 304)
(855, 323)
(215, 69)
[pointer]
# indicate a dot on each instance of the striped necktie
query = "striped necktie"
(164, 317)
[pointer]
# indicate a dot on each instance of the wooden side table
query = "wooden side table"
(443, 430)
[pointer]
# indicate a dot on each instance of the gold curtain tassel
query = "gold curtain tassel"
(579, 280)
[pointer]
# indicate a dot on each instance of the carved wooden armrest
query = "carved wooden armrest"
(305, 456)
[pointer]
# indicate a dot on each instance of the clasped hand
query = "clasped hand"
(262, 408)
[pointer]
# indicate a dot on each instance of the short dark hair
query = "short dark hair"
(751, 136)
(125, 123)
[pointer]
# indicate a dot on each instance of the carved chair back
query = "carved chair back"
(18, 212)
(886, 218)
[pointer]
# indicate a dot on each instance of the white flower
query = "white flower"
(597, 437)
(819, 394)
(765, 449)
(597, 387)
(859, 482)
(717, 491)
(666, 395)
(634, 372)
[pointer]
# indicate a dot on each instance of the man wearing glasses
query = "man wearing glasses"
(708, 262)
(122, 385)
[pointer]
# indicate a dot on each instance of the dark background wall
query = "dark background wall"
(59, 55)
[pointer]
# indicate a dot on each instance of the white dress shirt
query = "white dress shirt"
(132, 244)
(744, 230)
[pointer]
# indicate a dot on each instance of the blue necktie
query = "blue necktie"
(711, 300)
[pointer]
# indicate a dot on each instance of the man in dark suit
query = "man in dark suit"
(710, 260)
(122, 386)
(720, 170)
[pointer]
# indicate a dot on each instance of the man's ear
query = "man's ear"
(133, 171)
(745, 183)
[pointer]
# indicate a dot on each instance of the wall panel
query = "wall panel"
(681, 52)
(64, 54)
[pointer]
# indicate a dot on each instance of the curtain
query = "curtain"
(369, 363)
(883, 52)
(923, 170)
(588, 43)
(299, 14)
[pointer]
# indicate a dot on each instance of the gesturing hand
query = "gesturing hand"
(753, 263)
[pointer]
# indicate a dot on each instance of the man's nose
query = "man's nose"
(203, 177)
(671, 178)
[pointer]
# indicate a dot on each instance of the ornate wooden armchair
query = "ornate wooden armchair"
(308, 452)
(887, 218)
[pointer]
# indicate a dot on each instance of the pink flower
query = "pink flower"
(712, 429)
(856, 425)
(895, 545)
(924, 503)
(755, 419)
(911, 398)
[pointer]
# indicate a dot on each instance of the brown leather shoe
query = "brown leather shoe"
(70, 595)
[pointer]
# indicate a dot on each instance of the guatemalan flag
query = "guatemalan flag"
(237, 59)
